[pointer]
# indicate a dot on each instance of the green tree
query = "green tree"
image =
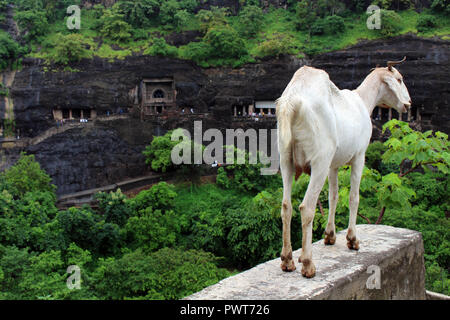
(158, 197)
(9, 50)
(245, 176)
(426, 23)
(250, 20)
(165, 274)
(45, 277)
(13, 261)
(167, 12)
(138, 13)
(25, 176)
(89, 232)
(113, 25)
(441, 6)
(225, 42)
(114, 206)
(152, 230)
(160, 47)
(32, 23)
(391, 23)
(189, 5)
(213, 17)
(158, 153)
(334, 24)
(413, 148)
(181, 19)
(70, 48)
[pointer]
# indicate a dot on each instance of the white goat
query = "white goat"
(321, 128)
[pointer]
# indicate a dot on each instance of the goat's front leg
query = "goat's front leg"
(287, 170)
(355, 180)
(307, 209)
(330, 231)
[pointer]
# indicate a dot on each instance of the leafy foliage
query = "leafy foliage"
(420, 149)
(426, 22)
(9, 50)
(25, 176)
(70, 48)
(225, 42)
(113, 25)
(246, 176)
(250, 19)
(32, 23)
(114, 206)
(391, 23)
(164, 274)
(138, 12)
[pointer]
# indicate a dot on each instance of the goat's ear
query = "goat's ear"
(390, 68)
(390, 81)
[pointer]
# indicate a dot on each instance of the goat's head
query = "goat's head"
(393, 91)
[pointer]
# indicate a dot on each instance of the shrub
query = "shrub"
(69, 48)
(334, 25)
(425, 23)
(181, 19)
(138, 12)
(25, 176)
(274, 47)
(160, 47)
(214, 17)
(87, 231)
(373, 155)
(9, 50)
(113, 25)
(158, 153)
(158, 197)
(306, 15)
(167, 11)
(246, 177)
(197, 51)
(441, 6)
(32, 23)
(225, 42)
(165, 274)
(391, 23)
(152, 230)
(318, 27)
(114, 206)
(250, 20)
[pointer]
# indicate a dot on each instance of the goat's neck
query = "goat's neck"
(369, 91)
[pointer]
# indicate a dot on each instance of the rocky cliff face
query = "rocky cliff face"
(111, 151)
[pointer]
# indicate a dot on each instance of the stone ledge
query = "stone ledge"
(340, 273)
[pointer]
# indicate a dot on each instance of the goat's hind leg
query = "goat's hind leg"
(330, 231)
(287, 170)
(355, 180)
(307, 208)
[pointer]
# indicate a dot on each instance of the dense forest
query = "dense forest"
(172, 240)
(213, 37)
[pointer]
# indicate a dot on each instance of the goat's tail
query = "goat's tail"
(285, 115)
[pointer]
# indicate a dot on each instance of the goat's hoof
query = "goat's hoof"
(288, 265)
(352, 243)
(330, 238)
(308, 268)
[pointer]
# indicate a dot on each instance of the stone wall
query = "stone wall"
(341, 274)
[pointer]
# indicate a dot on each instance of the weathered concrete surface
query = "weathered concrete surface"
(340, 273)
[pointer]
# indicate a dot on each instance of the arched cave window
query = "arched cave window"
(158, 94)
